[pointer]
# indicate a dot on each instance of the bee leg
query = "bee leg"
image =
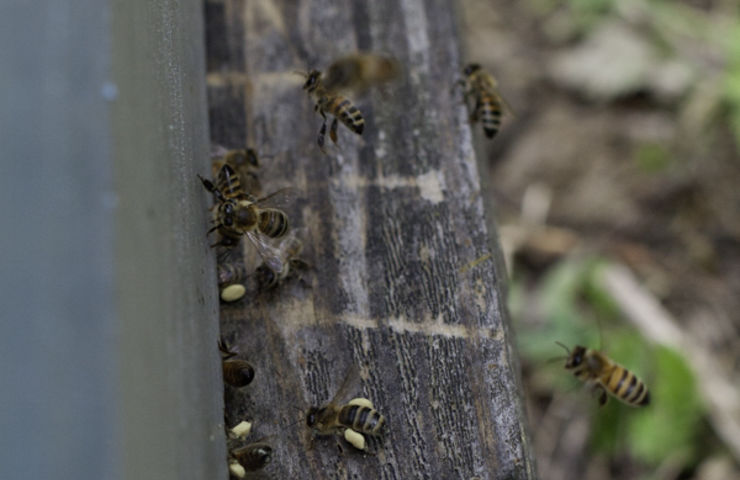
(322, 133)
(339, 446)
(298, 266)
(600, 393)
(210, 231)
(476, 111)
(333, 130)
(212, 189)
(459, 83)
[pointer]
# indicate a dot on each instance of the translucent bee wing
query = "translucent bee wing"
(278, 199)
(225, 350)
(348, 385)
(506, 107)
(270, 254)
(360, 72)
(218, 151)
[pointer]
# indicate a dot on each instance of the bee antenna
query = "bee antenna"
(564, 347)
(302, 73)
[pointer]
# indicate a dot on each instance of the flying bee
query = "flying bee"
(603, 375)
(360, 71)
(334, 418)
(244, 162)
(290, 248)
(334, 104)
(237, 373)
(483, 88)
(253, 456)
(239, 214)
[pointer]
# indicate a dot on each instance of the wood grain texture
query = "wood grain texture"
(390, 221)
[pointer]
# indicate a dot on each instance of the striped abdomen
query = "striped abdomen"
(273, 222)
(347, 113)
(625, 386)
(488, 111)
(237, 373)
(597, 370)
(253, 456)
(361, 419)
(229, 273)
(229, 183)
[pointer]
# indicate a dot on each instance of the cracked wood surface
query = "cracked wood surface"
(392, 223)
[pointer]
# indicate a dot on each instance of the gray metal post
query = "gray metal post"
(108, 360)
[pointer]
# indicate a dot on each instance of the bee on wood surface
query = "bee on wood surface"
(231, 272)
(361, 71)
(244, 162)
(289, 250)
(239, 214)
(253, 456)
(237, 373)
(482, 88)
(334, 418)
(603, 375)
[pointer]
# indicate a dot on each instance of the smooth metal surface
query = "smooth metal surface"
(166, 294)
(108, 359)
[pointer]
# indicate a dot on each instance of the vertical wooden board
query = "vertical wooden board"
(392, 220)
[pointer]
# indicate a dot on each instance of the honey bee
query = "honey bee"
(481, 86)
(603, 375)
(244, 162)
(230, 273)
(239, 214)
(237, 373)
(334, 104)
(334, 418)
(253, 456)
(290, 248)
(360, 72)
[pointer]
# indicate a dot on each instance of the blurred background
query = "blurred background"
(616, 177)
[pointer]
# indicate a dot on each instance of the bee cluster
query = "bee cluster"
(240, 210)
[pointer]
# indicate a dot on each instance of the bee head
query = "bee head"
(264, 453)
(471, 68)
(252, 158)
(312, 80)
(226, 213)
(312, 417)
(576, 357)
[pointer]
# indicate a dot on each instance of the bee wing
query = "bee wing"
(225, 350)
(361, 71)
(271, 254)
(278, 199)
(218, 151)
(349, 384)
(505, 105)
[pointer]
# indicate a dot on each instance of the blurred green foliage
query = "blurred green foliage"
(732, 79)
(653, 158)
(575, 311)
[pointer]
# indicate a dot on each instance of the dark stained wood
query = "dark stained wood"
(390, 222)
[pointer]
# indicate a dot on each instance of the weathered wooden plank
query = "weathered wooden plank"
(392, 218)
